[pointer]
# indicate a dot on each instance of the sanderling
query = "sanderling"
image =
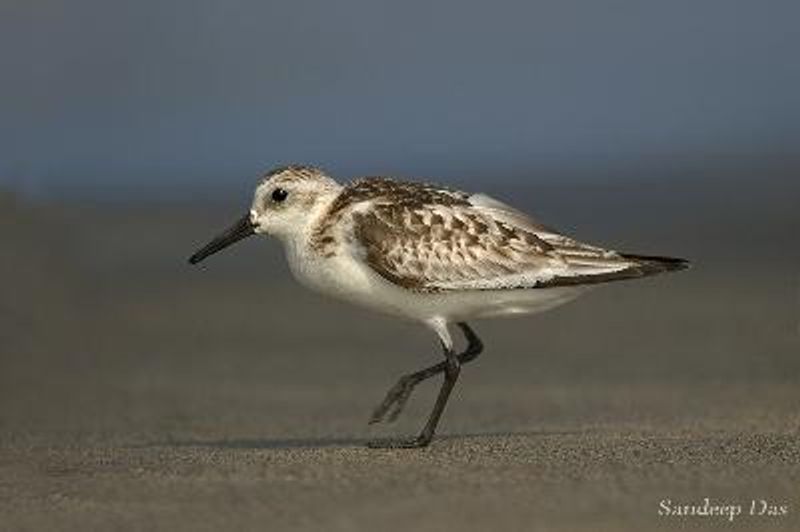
(434, 255)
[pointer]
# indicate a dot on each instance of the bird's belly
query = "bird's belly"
(349, 280)
(505, 303)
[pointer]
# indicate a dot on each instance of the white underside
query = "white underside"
(347, 278)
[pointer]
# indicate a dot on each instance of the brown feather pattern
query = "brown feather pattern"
(429, 239)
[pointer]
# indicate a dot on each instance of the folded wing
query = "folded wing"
(480, 244)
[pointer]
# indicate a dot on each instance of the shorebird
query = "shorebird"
(427, 253)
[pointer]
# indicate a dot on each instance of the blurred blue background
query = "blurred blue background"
(109, 98)
(139, 392)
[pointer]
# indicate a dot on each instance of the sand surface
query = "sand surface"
(139, 394)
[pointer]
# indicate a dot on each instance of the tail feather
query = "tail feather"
(650, 265)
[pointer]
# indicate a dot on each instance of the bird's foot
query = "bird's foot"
(401, 443)
(396, 399)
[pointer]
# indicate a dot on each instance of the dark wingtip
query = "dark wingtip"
(659, 264)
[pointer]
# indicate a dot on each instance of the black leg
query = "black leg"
(399, 394)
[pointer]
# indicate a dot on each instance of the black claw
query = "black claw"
(379, 413)
(400, 403)
(397, 396)
(410, 443)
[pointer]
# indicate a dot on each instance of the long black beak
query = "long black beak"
(241, 229)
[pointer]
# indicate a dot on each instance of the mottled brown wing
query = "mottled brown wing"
(458, 247)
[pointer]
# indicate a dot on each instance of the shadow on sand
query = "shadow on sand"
(327, 443)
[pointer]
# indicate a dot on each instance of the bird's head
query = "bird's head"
(285, 200)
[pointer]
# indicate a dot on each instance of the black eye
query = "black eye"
(279, 195)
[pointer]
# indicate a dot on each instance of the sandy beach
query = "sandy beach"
(139, 393)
